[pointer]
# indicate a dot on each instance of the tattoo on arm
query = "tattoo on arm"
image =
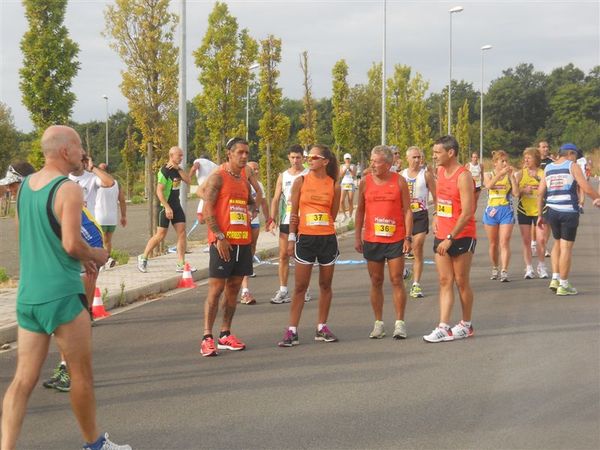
(211, 194)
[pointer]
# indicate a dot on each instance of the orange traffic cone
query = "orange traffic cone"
(98, 310)
(186, 280)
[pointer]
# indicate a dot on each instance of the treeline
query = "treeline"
(521, 107)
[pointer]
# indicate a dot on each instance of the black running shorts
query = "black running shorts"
(458, 247)
(420, 222)
(563, 225)
(379, 251)
(522, 219)
(239, 264)
(320, 249)
(178, 216)
(284, 228)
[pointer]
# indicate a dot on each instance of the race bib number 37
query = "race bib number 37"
(317, 219)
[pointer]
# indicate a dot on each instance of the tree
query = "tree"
(8, 138)
(224, 60)
(49, 66)
(365, 109)
(419, 123)
(341, 107)
(141, 32)
(274, 127)
(398, 112)
(308, 134)
(462, 132)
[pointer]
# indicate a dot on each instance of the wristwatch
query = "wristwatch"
(408, 238)
(450, 238)
(220, 236)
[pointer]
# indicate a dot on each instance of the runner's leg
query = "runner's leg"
(375, 269)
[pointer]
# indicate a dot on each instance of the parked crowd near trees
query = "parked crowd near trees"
(522, 106)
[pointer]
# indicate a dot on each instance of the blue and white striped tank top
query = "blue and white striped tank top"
(561, 187)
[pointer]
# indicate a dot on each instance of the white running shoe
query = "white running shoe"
(281, 297)
(109, 445)
(378, 330)
(541, 270)
(439, 335)
(307, 296)
(399, 330)
(461, 331)
(529, 273)
(504, 276)
(494, 275)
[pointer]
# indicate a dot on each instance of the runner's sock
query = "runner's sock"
(96, 445)
(555, 276)
(466, 324)
(283, 289)
(443, 325)
(206, 336)
(564, 283)
(293, 329)
(320, 326)
(224, 334)
(245, 291)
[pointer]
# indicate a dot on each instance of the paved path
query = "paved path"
(527, 380)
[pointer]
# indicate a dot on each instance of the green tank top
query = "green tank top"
(47, 272)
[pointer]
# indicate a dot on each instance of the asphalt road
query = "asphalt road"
(131, 239)
(527, 380)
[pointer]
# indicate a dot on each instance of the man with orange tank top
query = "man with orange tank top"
(455, 239)
(226, 201)
(383, 231)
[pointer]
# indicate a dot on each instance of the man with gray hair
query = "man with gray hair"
(51, 298)
(385, 215)
(420, 183)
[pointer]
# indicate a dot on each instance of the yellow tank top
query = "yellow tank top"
(528, 203)
(498, 193)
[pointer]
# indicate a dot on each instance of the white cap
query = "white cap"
(347, 156)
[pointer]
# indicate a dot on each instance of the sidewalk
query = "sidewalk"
(123, 285)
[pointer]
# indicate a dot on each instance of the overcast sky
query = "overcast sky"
(548, 34)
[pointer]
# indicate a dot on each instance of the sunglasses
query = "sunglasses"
(12, 170)
(235, 140)
(315, 157)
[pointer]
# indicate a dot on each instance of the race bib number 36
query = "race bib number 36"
(317, 219)
(444, 208)
(384, 229)
(238, 213)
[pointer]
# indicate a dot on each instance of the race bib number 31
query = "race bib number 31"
(444, 208)
(317, 219)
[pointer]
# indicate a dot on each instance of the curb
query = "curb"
(9, 333)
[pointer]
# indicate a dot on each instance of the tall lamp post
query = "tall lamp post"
(251, 68)
(182, 125)
(383, 116)
(483, 49)
(105, 97)
(456, 9)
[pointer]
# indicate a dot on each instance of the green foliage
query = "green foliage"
(138, 200)
(365, 109)
(120, 256)
(342, 125)
(308, 134)
(274, 127)
(3, 275)
(49, 64)
(8, 138)
(224, 59)
(141, 32)
(462, 132)
(324, 125)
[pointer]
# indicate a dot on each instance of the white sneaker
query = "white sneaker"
(504, 276)
(109, 445)
(529, 274)
(541, 270)
(494, 275)
(439, 335)
(307, 296)
(378, 330)
(281, 297)
(399, 330)
(461, 331)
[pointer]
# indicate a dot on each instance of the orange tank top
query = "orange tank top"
(384, 212)
(449, 206)
(316, 202)
(231, 209)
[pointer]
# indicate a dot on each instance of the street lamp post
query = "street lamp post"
(252, 67)
(105, 97)
(483, 49)
(383, 99)
(182, 125)
(456, 9)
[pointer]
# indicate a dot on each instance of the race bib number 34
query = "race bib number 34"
(444, 208)
(317, 219)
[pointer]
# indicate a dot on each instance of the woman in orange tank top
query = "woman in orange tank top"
(315, 204)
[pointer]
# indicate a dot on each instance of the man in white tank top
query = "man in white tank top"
(201, 168)
(281, 207)
(420, 183)
(476, 169)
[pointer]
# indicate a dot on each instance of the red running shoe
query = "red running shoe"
(230, 343)
(207, 348)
